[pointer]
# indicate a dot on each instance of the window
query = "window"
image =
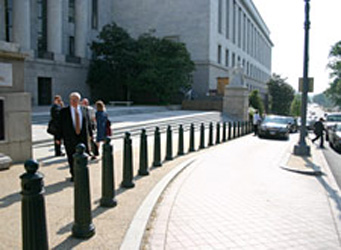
(227, 19)
(42, 25)
(219, 54)
(233, 60)
(71, 46)
(71, 11)
(2, 120)
(227, 58)
(234, 15)
(239, 27)
(94, 16)
(220, 15)
(8, 20)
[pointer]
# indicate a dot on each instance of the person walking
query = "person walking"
(75, 127)
(92, 115)
(318, 131)
(101, 121)
(256, 121)
(55, 120)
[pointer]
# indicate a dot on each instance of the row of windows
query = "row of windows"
(249, 69)
(42, 23)
(243, 33)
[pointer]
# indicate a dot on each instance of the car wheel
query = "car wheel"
(327, 137)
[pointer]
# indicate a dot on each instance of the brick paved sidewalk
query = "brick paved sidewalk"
(237, 197)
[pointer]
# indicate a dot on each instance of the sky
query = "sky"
(285, 19)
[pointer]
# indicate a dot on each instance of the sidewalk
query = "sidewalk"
(224, 201)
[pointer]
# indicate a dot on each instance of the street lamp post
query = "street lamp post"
(302, 148)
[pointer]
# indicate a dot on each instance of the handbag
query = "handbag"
(52, 128)
(108, 128)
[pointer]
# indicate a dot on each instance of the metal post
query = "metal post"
(191, 139)
(229, 134)
(169, 144)
(234, 130)
(143, 170)
(210, 138)
(128, 171)
(181, 141)
(108, 183)
(202, 136)
(217, 139)
(157, 148)
(302, 148)
(34, 231)
(83, 226)
(224, 131)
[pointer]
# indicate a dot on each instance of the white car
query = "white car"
(331, 120)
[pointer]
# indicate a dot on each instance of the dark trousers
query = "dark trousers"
(319, 136)
(57, 147)
(255, 129)
(71, 150)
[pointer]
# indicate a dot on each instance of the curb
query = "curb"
(135, 232)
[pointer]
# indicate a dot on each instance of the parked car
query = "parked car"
(331, 120)
(309, 123)
(292, 124)
(274, 126)
(335, 137)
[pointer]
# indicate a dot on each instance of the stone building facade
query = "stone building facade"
(55, 35)
(220, 35)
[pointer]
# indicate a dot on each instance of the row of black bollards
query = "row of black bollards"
(34, 229)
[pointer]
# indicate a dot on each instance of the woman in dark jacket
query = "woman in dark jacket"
(54, 113)
(101, 121)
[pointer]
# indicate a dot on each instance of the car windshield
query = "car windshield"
(334, 118)
(338, 127)
(276, 119)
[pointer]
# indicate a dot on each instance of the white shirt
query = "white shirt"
(74, 116)
(256, 119)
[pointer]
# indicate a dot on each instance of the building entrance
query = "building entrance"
(44, 90)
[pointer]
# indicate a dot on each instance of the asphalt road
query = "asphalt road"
(334, 161)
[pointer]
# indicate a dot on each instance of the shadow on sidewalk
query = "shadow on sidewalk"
(16, 197)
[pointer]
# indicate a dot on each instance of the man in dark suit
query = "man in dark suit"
(75, 127)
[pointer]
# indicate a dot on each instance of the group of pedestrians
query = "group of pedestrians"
(77, 123)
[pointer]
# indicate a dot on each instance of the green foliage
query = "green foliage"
(256, 101)
(281, 95)
(323, 100)
(295, 109)
(334, 90)
(124, 68)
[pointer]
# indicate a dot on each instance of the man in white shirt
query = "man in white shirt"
(256, 121)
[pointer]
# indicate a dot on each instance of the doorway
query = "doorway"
(44, 90)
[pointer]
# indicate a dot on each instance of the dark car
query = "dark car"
(335, 137)
(292, 123)
(274, 126)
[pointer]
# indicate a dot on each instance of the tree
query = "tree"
(281, 95)
(323, 100)
(113, 67)
(256, 101)
(295, 109)
(165, 67)
(334, 90)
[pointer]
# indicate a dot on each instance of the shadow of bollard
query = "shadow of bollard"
(83, 226)
(34, 231)
(143, 170)
(127, 163)
(108, 176)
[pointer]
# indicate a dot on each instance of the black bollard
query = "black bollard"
(128, 170)
(169, 144)
(181, 141)
(202, 136)
(143, 170)
(34, 231)
(210, 137)
(217, 139)
(191, 138)
(234, 130)
(224, 131)
(157, 148)
(83, 226)
(108, 177)
(229, 134)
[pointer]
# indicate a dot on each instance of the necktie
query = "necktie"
(78, 123)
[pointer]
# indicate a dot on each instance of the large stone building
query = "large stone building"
(55, 35)
(220, 35)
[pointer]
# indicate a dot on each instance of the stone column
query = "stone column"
(21, 24)
(54, 26)
(81, 27)
(2, 20)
